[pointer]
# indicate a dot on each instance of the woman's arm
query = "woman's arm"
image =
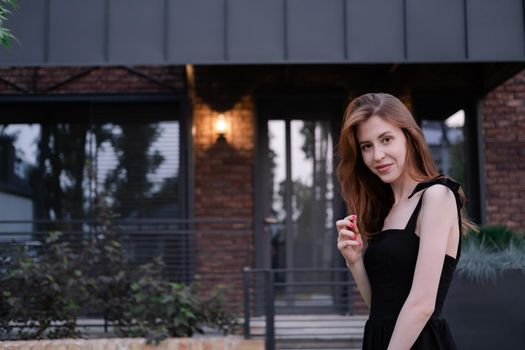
(438, 215)
(350, 244)
(361, 279)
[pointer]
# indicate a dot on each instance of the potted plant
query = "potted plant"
(485, 305)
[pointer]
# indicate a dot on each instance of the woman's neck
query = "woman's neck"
(402, 188)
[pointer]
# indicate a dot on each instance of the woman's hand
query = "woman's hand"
(349, 241)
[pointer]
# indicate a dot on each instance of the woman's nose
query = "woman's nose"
(378, 153)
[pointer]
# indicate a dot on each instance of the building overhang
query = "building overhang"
(176, 32)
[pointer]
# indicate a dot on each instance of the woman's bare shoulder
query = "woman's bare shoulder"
(438, 199)
(438, 191)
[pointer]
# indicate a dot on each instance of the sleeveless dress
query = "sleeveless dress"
(390, 262)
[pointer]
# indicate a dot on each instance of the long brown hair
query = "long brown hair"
(363, 192)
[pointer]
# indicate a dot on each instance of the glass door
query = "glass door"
(300, 218)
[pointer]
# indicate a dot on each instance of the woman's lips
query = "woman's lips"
(383, 168)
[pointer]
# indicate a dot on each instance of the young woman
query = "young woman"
(402, 240)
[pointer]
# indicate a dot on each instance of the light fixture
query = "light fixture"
(221, 127)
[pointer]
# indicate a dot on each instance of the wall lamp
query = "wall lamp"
(221, 127)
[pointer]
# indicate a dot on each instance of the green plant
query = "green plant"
(71, 274)
(43, 296)
(87, 273)
(215, 312)
(5, 33)
(107, 266)
(485, 256)
(158, 309)
(495, 237)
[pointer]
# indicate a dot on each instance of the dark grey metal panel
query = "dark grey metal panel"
(196, 31)
(256, 30)
(101, 32)
(140, 39)
(315, 30)
(77, 31)
(495, 29)
(375, 30)
(31, 45)
(435, 30)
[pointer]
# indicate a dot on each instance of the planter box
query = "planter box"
(205, 343)
(488, 316)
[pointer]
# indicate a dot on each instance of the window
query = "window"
(129, 154)
(446, 141)
(450, 125)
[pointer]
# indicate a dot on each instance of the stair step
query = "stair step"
(314, 332)
(308, 327)
(328, 344)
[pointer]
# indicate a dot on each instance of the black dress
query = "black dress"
(390, 262)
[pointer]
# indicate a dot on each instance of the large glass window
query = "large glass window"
(133, 161)
(61, 161)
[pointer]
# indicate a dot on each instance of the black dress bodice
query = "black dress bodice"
(390, 261)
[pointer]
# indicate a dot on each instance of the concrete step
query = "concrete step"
(312, 326)
(317, 344)
(314, 332)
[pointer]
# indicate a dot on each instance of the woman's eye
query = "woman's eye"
(364, 147)
(387, 138)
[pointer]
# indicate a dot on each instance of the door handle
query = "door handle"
(270, 220)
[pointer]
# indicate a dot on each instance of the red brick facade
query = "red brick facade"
(224, 191)
(224, 170)
(94, 80)
(504, 146)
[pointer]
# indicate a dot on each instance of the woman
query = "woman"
(406, 218)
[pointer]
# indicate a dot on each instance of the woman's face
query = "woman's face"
(383, 147)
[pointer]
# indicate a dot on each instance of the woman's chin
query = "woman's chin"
(389, 176)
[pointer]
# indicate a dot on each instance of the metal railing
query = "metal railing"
(300, 306)
(320, 307)
(210, 251)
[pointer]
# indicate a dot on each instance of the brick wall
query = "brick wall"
(503, 128)
(87, 80)
(224, 190)
(212, 343)
(224, 170)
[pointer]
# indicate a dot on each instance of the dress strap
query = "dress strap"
(411, 225)
(440, 179)
(454, 187)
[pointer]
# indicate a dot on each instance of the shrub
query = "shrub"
(495, 237)
(43, 295)
(485, 256)
(44, 292)
(214, 311)
(157, 308)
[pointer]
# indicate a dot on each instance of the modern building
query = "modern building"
(124, 97)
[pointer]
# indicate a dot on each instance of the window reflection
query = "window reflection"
(301, 194)
(135, 165)
(311, 144)
(277, 168)
(446, 141)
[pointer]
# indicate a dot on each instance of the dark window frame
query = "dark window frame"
(21, 109)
